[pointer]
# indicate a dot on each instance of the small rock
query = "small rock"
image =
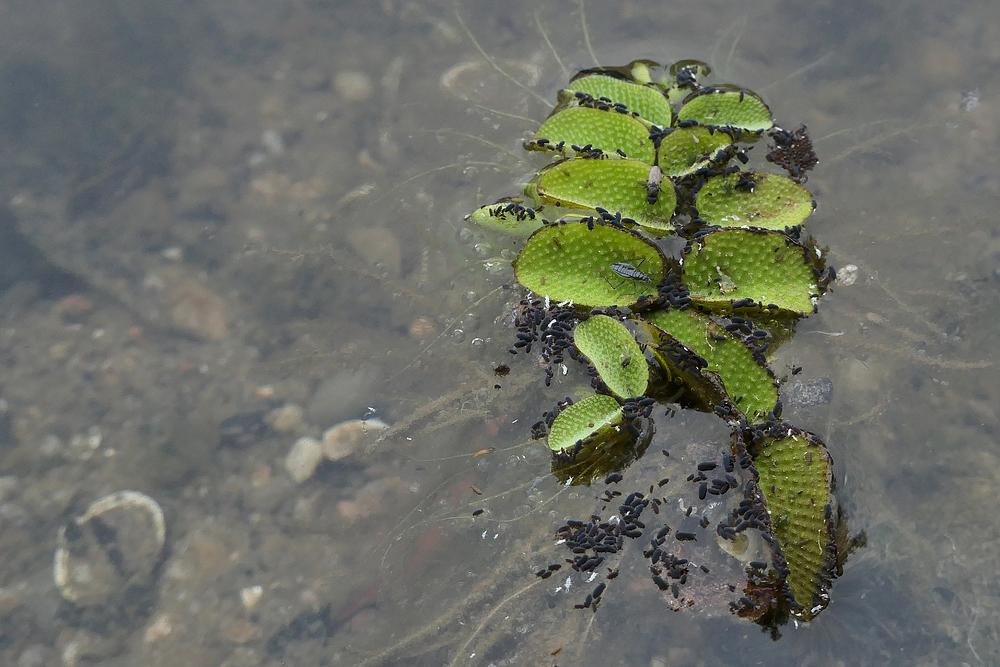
(303, 458)
(353, 86)
(847, 275)
(286, 419)
(251, 595)
(346, 438)
(159, 629)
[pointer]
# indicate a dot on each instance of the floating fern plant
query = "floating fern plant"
(639, 155)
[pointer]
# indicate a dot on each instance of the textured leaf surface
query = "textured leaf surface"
(615, 354)
(615, 185)
(799, 469)
(570, 262)
(606, 130)
(648, 102)
(727, 355)
(766, 266)
(732, 108)
(773, 202)
(511, 222)
(680, 368)
(690, 148)
(583, 419)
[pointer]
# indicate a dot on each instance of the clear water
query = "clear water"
(202, 220)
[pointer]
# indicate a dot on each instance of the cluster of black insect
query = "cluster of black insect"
(793, 152)
(551, 327)
(544, 144)
(718, 486)
(670, 293)
(602, 104)
(514, 208)
(634, 410)
(588, 152)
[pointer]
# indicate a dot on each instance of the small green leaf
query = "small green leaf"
(606, 130)
(508, 216)
(615, 185)
(648, 102)
(766, 266)
(798, 468)
(569, 261)
(688, 149)
(612, 350)
(764, 200)
(731, 108)
(590, 440)
(750, 385)
(593, 416)
(680, 374)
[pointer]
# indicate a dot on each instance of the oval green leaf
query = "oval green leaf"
(749, 383)
(508, 216)
(680, 374)
(648, 102)
(606, 130)
(798, 468)
(612, 350)
(615, 185)
(766, 266)
(764, 200)
(593, 416)
(569, 261)
(688, 149)
(731, 108)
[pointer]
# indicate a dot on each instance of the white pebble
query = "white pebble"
(303, 458)
(251, 595)
(345, 438)
(353, 86)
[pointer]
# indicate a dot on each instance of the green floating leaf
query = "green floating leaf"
(593, 416)
(637, 71)
(733, 264)
(681, 375)
(756, 199)
(749, 384)
(568, 261)
(615, 185)
(606, 130)
(508, 216)
(688, 149)
(731, 108)
(648, 102)
(589, 440)
(613, 351)
(797, 467)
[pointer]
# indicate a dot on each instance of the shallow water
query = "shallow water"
(214, 213)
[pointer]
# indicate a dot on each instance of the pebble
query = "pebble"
(353, 86)
(251, 595)
(194, 308)
(346, 438)
(847, 275)
(303, 458)
(286, 419)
